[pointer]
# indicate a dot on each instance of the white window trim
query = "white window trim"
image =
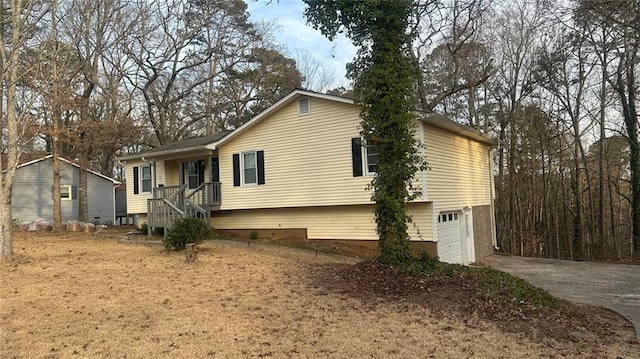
(70, 188)
(186, 172)
(365, 164)
(140, 179)
(242, 182)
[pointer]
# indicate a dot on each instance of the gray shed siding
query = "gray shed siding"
(32, 193)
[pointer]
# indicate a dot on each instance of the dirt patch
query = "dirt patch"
(461, 297)
(358, 249)
(72, 295)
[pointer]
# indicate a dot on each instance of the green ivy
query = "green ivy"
(383, 75)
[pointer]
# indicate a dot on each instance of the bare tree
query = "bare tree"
(450, 53)
(175, 39)
(20, 20)
(317, 75)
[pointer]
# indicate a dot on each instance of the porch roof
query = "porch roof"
(186, 145)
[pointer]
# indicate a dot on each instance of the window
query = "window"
(65, 192)
(249, 168)
(363, 158)
(194, 174)
(371, 160)
(142, 179)
(448, 217)
(145, 179)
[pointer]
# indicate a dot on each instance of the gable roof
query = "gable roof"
(22, 158)
(213, 141)
(447, 124)
(431, 118)
(115, 182)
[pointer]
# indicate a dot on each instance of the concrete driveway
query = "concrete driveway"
(614, 286)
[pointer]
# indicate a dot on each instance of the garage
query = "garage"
(450, 238)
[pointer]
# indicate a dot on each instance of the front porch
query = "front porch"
(172, 202)
(185, 187)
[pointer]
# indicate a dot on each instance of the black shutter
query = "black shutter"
(356, 157)
(136, 184)
(51, 192)
(74, 192)
(236, 170)
(260, 155)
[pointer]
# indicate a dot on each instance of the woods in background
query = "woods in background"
(556, 84)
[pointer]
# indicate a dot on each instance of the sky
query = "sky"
(293, 32)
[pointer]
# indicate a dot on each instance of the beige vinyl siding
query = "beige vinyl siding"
(167, 172)
(136, 203)
(159, 174)
(307, 159)
(172, 172)
(333, 222)
(460, 172)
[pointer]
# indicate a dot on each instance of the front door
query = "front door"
(194, 174)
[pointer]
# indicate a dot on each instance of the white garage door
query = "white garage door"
(449, 238)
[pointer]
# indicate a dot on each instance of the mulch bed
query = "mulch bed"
(460, 297)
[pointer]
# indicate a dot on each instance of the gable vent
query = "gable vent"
(304, 106)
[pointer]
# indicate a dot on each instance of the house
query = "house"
(33, 192)
(297, 169)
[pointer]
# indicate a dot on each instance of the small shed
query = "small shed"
(33, 192)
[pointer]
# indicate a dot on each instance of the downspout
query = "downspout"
(423, 154)
(114, 202)
(434, 224)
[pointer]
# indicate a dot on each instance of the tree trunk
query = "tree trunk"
(576, 186)
(626, 89)
(56, 118)
(83, 208)
(55, 164)
(10, 77)
(601, 178)
(513, 189)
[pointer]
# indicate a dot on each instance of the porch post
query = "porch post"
(208, 165)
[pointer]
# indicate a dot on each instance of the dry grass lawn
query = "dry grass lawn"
(72, 295)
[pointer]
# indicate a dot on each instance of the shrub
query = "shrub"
(186, 230)
(430, 266)
(143, 228)
(508, 290)
(253, 235)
